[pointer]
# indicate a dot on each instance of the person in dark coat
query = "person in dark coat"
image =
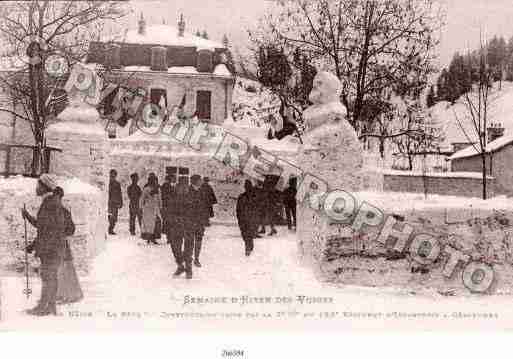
(198, 216)
(182, 246)
(134, 210)
(247, 212)
(48, 245)
(166, 193)
(210, 197)
(68, 289)
(115, 201)
(271, 206)
(261, 206)
(290, 203)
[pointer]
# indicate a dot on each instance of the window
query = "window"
(203, 105)
(181, 173)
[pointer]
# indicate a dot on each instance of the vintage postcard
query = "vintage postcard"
(251, 165)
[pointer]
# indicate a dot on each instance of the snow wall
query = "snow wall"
(481, 229)
(85, 204)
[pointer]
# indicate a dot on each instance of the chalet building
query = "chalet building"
(173, 66)
(499, 158)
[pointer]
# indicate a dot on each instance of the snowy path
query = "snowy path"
(131, 287)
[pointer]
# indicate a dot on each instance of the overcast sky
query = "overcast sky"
(233, 17)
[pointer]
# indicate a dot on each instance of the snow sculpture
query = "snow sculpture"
(331, 152)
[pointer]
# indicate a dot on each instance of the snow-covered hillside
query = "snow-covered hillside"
(500, 111)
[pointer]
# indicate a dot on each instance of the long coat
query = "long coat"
(247, 214)
(50, 224)
(150, 206)
(198, 208)
(115, 196)
(210, 197)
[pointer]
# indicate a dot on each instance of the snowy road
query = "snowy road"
(131, 287)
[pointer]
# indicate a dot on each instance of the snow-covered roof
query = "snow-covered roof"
(222, 70)
(493, 146)
(168, 35)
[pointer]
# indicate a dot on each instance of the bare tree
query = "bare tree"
(36, 30)
(370, 45)
(477, 104)
(421, 136)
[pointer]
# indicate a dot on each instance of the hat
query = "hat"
(48, 181)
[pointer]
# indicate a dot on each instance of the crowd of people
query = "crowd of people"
(181, 212)
(176, 209)
(260, 206)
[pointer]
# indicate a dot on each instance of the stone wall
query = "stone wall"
(450, 183)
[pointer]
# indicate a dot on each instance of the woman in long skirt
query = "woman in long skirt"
(68, 289)
(150, 206)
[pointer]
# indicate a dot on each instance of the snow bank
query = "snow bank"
(87, 115)
(401, 202)
(85, 203)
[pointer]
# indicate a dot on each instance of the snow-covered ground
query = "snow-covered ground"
(132, 287)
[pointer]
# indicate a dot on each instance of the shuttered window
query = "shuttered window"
(203, 105)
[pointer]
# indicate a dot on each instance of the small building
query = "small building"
(498, 161)
(175, 68)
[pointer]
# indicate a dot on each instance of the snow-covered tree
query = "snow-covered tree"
(39, 29)
(370, 45)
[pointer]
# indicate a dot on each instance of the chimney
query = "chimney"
(142, 26)
(494, 131)
(181, 26)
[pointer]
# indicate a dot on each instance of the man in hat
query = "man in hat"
(115, 200)
(134, 210)
(49, 245)
(197, 219)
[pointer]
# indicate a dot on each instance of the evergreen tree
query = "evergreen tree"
(508, 65)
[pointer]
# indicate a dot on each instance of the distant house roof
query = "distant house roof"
(492, 147)
(182, 52)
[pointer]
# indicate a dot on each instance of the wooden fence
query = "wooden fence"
(22, 160)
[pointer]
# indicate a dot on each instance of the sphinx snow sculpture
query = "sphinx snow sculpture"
(331, 152)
